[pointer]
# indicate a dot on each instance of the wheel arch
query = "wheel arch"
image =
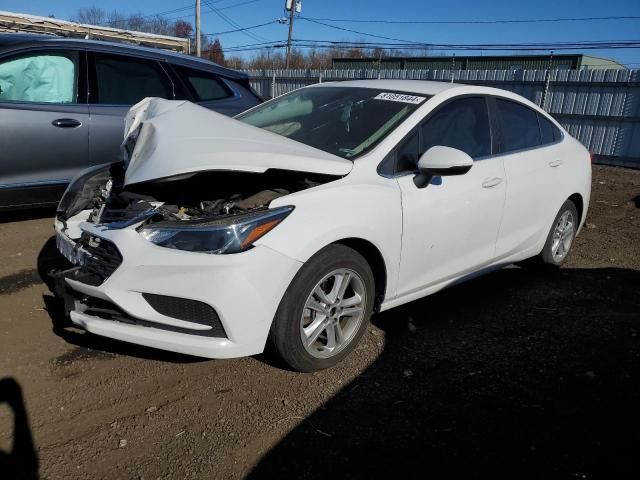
(578, 201)
(374, 258)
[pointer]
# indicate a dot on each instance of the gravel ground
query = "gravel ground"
(521, 372)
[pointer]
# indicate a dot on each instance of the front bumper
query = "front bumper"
(243, 289)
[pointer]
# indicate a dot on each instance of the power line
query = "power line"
(232, 23)
(187, 8)
(475, 22)
(356, 31)
(241, 29)
(557, 46)
(158, 14)
(545, 47)
(522, 44)
(532, 46)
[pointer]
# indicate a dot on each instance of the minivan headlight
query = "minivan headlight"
(232, 234)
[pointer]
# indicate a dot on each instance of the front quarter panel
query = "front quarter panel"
(368, 209)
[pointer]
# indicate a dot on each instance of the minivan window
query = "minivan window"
(461, 124)
(203, 85)
(127, 80)
(43, 77)
(519, 126)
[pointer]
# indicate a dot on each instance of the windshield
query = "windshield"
(344, 121)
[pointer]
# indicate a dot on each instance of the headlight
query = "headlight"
(227, 235)
(82, 190)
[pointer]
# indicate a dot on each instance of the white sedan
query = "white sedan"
(298, 219)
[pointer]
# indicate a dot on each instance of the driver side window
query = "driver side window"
(461, 124)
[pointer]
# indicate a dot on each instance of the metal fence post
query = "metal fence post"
(547, 80)
(273, 84)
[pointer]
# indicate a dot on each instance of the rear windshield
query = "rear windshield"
(344, 121)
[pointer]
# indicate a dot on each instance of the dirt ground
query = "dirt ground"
(522, 372)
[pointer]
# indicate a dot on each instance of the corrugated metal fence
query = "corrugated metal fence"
(601, 108)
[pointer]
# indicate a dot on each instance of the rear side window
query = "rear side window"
(461, 124)
(43, 77)
(549, 133)
(127, 80)
(203, 85)
(519, 126)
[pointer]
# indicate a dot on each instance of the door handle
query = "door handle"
(491, 182)
(66, 123)
(555, 163)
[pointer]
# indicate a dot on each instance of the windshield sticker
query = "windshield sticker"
(399, 97)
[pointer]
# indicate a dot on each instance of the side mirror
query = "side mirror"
(442, 161)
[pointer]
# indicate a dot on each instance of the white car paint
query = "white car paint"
(206, 140)
(460, 237)
(497, 213)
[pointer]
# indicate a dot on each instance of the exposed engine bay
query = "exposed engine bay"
(193, 197)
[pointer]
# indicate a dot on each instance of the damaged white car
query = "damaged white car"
(299, 218)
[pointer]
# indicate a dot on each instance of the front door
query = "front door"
(450, 226)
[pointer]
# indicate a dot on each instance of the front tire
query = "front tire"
(325, 311)
(560, 239)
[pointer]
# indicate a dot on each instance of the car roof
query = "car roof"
(421, 87)
(11, 41)
(432, 88)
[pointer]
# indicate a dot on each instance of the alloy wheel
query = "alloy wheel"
(563, 236)
(333, 313)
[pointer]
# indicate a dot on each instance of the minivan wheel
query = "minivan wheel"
(325, 311)
(561, 236)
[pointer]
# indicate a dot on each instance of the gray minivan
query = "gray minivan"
(63, 101)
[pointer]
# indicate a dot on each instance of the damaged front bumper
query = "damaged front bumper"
(215, 306)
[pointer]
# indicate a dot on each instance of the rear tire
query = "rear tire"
(325, 311)
(560, 239)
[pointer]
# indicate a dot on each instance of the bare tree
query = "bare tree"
(160, 25)
(117, 19)
(216, 54)
(183, 29)
(136, 22)
(90, 15)
(236, 62)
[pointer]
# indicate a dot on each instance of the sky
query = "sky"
(248, 13)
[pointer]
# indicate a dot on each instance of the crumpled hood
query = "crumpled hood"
(179, 137)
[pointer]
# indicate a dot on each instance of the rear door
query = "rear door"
(44, 124)
(533, 168)
(116, 83)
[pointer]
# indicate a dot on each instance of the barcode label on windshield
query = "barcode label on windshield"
(399, 97)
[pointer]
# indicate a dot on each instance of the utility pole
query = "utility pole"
(290, 4)
(198, 39)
